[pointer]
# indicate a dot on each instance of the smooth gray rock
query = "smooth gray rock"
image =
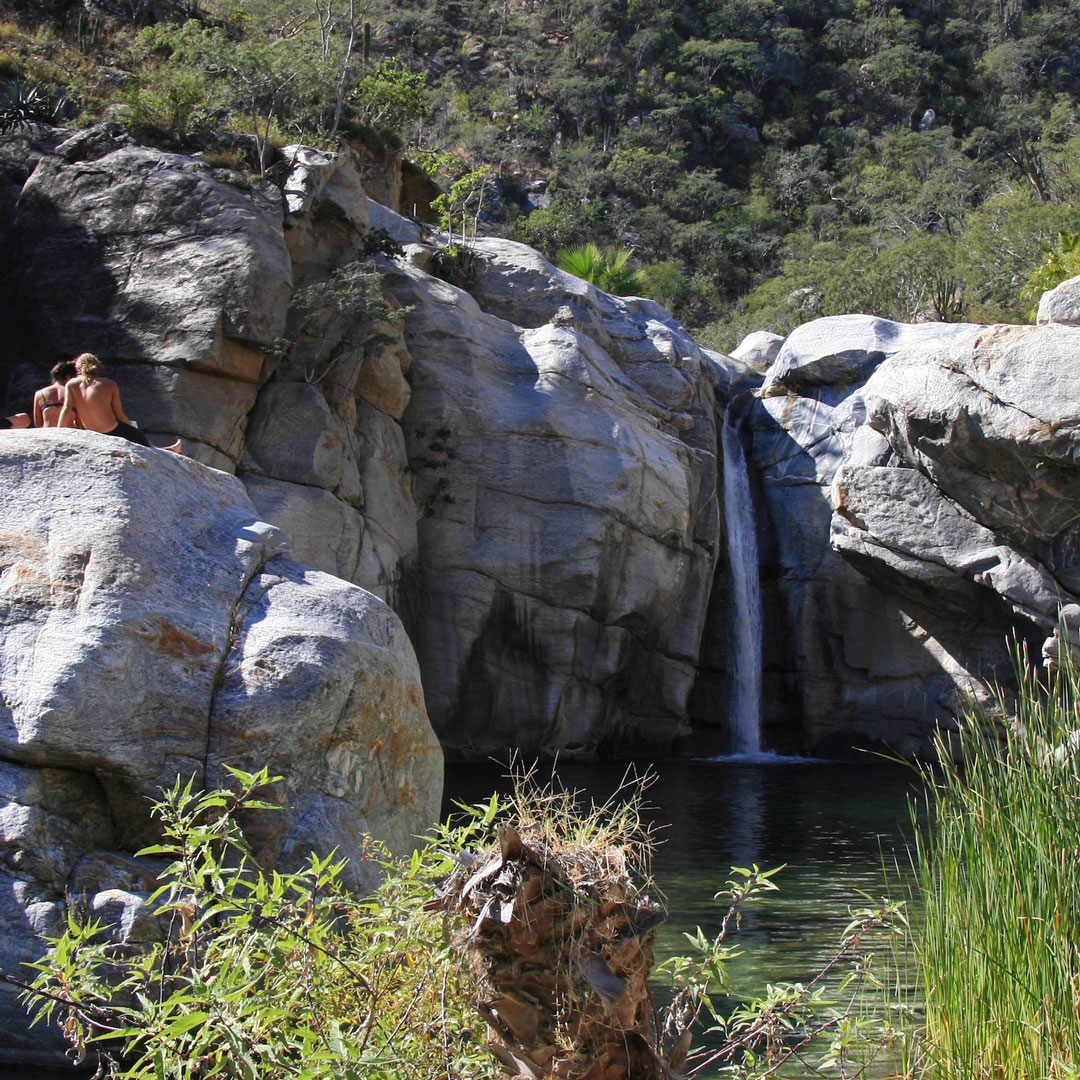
(326, 210)
(1060, 304)
(847, 348)
(293, 435)
(566, 515)
(758, 349)
(152, 631)
(389, 544)
(322, 686)
(849, 590)
(993, 420)
(149, 257)
(322, 530)
(898, 518)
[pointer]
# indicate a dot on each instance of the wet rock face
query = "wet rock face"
(154, 629)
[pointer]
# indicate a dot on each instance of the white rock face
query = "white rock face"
(565, 469)
(941, 475)
(154, 630)
(1060, 304)
(846, 348)
(758, 349)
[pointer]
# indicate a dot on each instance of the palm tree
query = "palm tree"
(606, 268)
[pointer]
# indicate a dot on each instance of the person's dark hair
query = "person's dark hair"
(63, 371)
(87, 365)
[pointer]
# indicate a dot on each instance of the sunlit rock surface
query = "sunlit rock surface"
(154, 628)
(921, 510)
(526, 468)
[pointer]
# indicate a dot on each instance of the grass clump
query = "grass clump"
(1000, 951)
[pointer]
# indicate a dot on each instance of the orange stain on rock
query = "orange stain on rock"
(177, 643)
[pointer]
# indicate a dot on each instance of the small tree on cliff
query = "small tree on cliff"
(261, 78)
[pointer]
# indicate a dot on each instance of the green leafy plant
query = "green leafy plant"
(269, 974)
(172, 98)
(999, 954)
(832, 1018)
(340, 315)
(285, 974)
(606, 268)
(1060, 262)
(388, 96)
(434, 452)
(459, 209)
(23, 104)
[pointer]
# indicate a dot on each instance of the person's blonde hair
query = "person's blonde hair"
(87, 365)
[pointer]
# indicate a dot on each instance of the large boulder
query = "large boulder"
(994, 421)
(844, 349)
(921, 510)
(564, 451)
(100, 200)
(847, 661)
(1060, 304)
(153, 628)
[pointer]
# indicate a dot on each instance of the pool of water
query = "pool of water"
(839, 830)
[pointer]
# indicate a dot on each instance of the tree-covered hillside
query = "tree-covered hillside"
(766, 160)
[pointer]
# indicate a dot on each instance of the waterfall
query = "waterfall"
(744, 716)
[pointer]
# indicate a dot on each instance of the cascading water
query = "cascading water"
(744, 716)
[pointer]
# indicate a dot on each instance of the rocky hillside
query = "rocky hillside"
(528, 469)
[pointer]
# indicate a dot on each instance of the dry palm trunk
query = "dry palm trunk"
(561, 944)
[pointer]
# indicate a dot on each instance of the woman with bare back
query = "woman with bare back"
(93, 402)
(51, 397)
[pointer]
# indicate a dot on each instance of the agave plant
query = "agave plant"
(23, 104)
(606, 268)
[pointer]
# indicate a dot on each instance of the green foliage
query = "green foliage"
(389, 96)
(430, 453)
(269, 974)
(283, 974)
(23, 104)
(340, 315)
(1060, 262)
(999, 953)
(460, 206)
(261, 79)
(608, 269)
(830, 1021)
(729, 138)
(171, 97)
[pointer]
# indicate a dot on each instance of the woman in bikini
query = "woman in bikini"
(49, 400)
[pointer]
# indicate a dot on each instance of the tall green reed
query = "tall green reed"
(999, 869)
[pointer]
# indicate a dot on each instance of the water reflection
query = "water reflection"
(837, 827)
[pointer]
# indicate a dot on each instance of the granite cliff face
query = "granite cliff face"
(528, 469)
(918, 488)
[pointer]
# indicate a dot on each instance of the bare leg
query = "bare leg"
(19, 420)
(176, 447)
